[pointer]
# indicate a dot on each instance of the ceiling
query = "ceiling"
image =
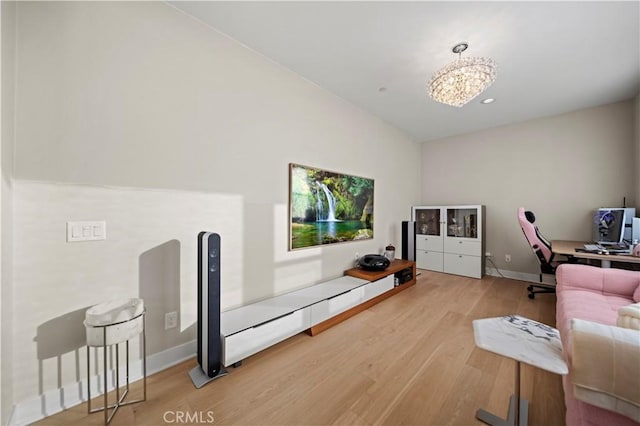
(553, 57)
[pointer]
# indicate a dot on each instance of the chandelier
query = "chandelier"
(462, 80)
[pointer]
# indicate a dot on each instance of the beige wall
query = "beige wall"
(136, 114)
(637, 153)
(8, 40)
(560, 167)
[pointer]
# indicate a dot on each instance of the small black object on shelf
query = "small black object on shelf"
(404, 275)
(373, 262)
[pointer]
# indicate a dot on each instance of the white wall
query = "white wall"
(136, 114)
(8, 40)
(560, 167)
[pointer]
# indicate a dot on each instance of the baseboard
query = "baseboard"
(56, 400)
(520, 276)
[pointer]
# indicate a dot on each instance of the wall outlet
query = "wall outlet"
(507, 258)
(487, 254)
(170, 320)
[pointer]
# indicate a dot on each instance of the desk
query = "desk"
(568, 248)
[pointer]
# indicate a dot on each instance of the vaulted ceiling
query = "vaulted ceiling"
(553, 57)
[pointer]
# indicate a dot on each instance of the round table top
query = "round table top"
(113, 312)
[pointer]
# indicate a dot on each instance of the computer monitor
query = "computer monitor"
(635, 229)
(609, 225)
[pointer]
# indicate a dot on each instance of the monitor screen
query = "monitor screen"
(609, 226)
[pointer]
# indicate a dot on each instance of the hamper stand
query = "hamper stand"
(108, 324)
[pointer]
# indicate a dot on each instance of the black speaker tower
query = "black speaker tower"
(209, 339)
(409, 240)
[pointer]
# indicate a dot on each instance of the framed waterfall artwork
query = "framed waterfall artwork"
(327, 207)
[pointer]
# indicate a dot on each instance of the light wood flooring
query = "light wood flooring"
(410, 360)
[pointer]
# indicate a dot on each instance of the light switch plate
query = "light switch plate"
(86, 231)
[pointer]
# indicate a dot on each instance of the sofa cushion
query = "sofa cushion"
(607, 281)
(586, 305)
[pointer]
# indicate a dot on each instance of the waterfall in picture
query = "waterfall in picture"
(331, 201)
(319, 206)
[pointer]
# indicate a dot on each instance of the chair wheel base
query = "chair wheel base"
(535, 289)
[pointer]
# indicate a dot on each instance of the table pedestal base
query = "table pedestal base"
(522, 340)
(493, 420)
(518, 408)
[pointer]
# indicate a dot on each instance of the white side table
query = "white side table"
(112, 323)
(522, 340)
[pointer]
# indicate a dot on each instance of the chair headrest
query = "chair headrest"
(530, 216)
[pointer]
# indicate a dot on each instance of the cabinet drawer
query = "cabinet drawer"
(463, 246)
(431, 260)
(245, 343)
(460, 264)
(376, 288)
(429, 242)
(326, 309)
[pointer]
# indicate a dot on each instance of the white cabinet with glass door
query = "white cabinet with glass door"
(429, 237)
(450, 239)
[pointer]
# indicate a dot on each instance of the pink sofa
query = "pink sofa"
(593, 294)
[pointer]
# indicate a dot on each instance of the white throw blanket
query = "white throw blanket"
(605, 366)
(629, 316)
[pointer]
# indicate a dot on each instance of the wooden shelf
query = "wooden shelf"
(396, 266)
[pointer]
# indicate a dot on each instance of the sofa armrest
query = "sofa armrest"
(609, 281)
(605, 367)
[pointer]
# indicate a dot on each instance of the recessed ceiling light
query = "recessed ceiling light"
(487, 101)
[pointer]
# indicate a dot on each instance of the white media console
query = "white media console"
(251, 328)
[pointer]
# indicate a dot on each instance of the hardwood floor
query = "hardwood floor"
(410, 360)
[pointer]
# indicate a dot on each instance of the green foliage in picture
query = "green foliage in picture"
(328, 207)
